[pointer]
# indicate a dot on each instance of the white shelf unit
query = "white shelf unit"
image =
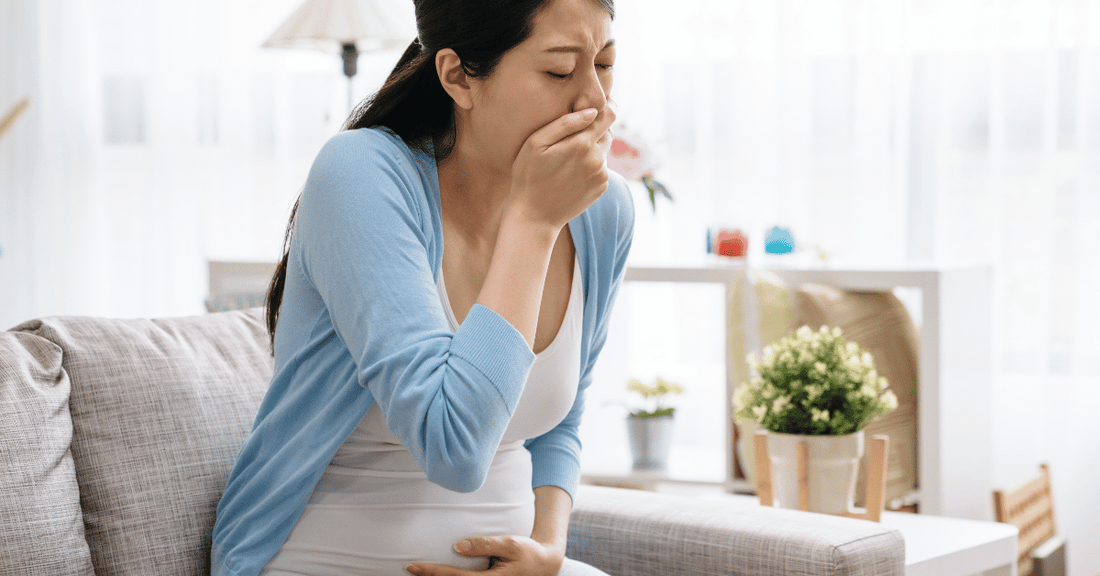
(955, 444)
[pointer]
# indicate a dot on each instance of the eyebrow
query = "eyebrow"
(578, 49)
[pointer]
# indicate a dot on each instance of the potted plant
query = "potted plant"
(817, 388)
(650, 425)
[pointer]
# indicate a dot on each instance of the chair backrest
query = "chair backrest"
(1029, 507)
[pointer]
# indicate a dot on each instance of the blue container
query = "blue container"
(778, 241)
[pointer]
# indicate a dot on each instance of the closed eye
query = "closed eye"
(606, 67)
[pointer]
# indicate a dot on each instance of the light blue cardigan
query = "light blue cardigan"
(361, 322)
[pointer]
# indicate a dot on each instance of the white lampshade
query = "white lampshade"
(329, 24)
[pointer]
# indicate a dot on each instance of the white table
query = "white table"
(939, 546)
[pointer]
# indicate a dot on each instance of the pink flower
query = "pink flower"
(630, 157)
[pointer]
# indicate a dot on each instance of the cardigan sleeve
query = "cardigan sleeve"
(555, 455)
(363, 235)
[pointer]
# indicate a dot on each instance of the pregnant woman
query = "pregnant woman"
(448, 276)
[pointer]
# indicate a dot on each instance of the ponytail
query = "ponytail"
(414, 105)
(411, 102)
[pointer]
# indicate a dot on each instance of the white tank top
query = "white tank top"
(374, 510)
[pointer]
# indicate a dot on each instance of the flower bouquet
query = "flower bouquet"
(814, 383)
(814, 393)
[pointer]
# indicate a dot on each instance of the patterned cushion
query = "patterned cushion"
(41, 531)
(159, 409)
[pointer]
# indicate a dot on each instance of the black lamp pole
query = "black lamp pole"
(351, 60)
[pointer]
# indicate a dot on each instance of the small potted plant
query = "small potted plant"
(818, 388)
(650, 425)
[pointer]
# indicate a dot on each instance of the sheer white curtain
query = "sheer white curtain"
(944, 131)
(160, 136)
(43, 235)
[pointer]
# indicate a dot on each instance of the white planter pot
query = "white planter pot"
(650, 439)
(833, 462)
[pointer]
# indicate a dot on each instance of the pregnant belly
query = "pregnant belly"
(370, 522)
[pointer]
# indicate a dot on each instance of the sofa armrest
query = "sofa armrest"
(634, 533)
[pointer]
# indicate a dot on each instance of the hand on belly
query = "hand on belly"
(510, 554)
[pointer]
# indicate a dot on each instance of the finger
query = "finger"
(594, 131)
(503, 546)
(606, 119)
(563, 127)
(604, 143)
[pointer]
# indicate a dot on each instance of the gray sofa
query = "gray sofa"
(117, 436)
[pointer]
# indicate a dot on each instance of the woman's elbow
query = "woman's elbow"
(463, 476)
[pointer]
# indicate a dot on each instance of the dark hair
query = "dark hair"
(413, 103)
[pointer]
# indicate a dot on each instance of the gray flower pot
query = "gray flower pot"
(650, 439)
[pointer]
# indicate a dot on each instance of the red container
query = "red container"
(731, 243)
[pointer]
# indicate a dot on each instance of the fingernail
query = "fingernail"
(588, 114)
(412, 569)
(462, 546)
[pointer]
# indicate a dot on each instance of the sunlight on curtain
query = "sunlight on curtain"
(947, 131)
(883, 132)
(160, 136)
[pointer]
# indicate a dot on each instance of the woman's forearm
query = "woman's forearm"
(517, 274)
(552, 508)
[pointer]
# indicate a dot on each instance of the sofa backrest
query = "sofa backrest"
(159, 409)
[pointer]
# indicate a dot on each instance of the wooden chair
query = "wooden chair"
(876, 477)
(1030, 507)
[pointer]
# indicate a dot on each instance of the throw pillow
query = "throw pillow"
(41, 528)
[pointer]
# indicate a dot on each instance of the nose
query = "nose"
(592, 93)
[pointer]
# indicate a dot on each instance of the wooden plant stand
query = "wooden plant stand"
(876, 477)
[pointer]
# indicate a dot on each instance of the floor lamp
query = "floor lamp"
(348, 27)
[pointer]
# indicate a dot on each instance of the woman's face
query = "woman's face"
(565, 66)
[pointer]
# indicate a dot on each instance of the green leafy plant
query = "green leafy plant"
(655, 188)
(653, 396)
(814, 383)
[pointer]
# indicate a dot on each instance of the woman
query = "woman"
(446, 287)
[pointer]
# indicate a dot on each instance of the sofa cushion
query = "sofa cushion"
(639, 533)
(159, 409)
(39, 498)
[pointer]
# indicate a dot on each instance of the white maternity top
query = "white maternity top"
(374, 510)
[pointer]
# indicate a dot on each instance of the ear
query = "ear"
(453, 78)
